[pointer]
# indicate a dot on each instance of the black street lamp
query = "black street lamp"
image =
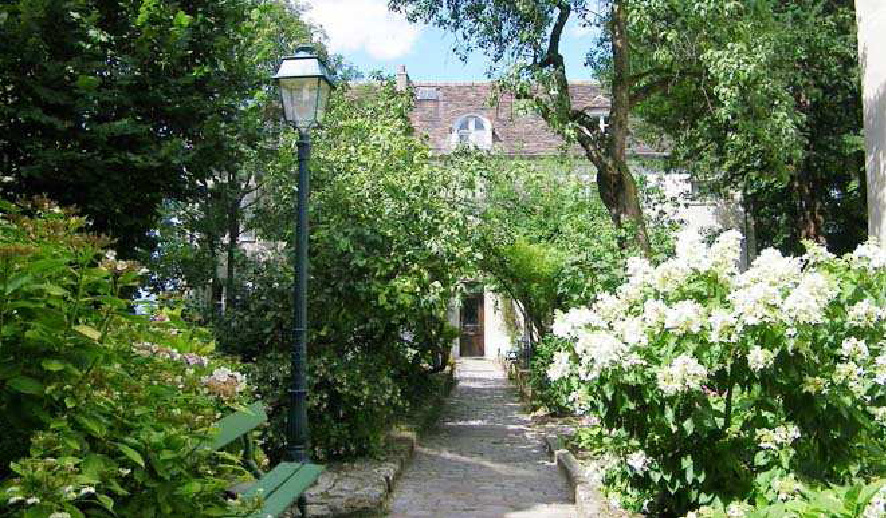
(305, 85)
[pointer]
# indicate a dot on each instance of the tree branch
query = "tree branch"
(552, 57)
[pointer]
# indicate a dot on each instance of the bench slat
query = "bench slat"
(282, 486)
(238, 424)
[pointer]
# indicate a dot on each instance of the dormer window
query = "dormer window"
(472, 130)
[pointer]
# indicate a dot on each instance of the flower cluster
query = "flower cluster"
(695, 343)
(166, 353)
(110, 263)
(682, 375)
(638, 461)
(777, 438)
(225, 382)
(560, 367)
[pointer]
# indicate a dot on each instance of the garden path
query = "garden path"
(484, 461)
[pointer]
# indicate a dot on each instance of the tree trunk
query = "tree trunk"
(618, 189)
(810, 217)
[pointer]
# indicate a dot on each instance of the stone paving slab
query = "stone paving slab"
(485, 461)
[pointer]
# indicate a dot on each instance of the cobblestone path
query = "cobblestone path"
(484, 462)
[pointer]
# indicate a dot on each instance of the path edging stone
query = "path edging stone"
(362, 487)
(589, 500)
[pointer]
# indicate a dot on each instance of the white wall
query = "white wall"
(871, 15)
(495, 335)
(454, 318)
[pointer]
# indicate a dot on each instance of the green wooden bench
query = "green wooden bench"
(279, 487)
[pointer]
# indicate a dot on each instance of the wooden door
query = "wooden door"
(471, 342)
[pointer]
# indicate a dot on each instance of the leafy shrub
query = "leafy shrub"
(553, 397)
(387, 253)
(352, 402)
(852, 501)
(102, 410)
(712, 385)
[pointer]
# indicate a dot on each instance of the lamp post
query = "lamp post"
(305, 85)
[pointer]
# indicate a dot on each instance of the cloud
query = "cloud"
(367, 25)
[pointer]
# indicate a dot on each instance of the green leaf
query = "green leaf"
(88, 331)
(52, 365)
(88, 82)
(106, 501)
(93, 426)
(133, 455)
(181, 20)
(26, 385)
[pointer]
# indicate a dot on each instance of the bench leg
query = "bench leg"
(303, 506)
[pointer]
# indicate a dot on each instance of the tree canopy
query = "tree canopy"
(115, 106)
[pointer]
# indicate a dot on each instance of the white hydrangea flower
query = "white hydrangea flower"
(567, 325)
(638, 461)
(683, 374)
(60, 514)
(686, 316)
(691, 248)
(560, 366)
(724, 326)
(864, 314)
(610, 308)
(640, 275)
(870, 256)
(778, 437)
(654, 312)
(725, 253)
(880, 370)
(852, 375)
(816, 253)
(806, 304)
(671, 274)
(759, 358)
(599, 350)
(815, 385)
(737, 510)
(772, 268)
(631, 331)
(756, 303)
(854, 349)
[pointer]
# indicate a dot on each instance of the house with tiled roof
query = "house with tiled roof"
(470, 112)
(450, 114)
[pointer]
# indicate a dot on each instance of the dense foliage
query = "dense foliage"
(718, 387)
(387, 252)
(115, 106)
(758, 97)
(544, 239)
(764, 99)
(102, 410)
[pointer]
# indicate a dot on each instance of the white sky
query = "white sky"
(364, 25)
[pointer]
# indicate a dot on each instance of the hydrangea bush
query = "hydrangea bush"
(713, 386)
(102, 411)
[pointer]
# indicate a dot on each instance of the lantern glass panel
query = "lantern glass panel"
(300, 96)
